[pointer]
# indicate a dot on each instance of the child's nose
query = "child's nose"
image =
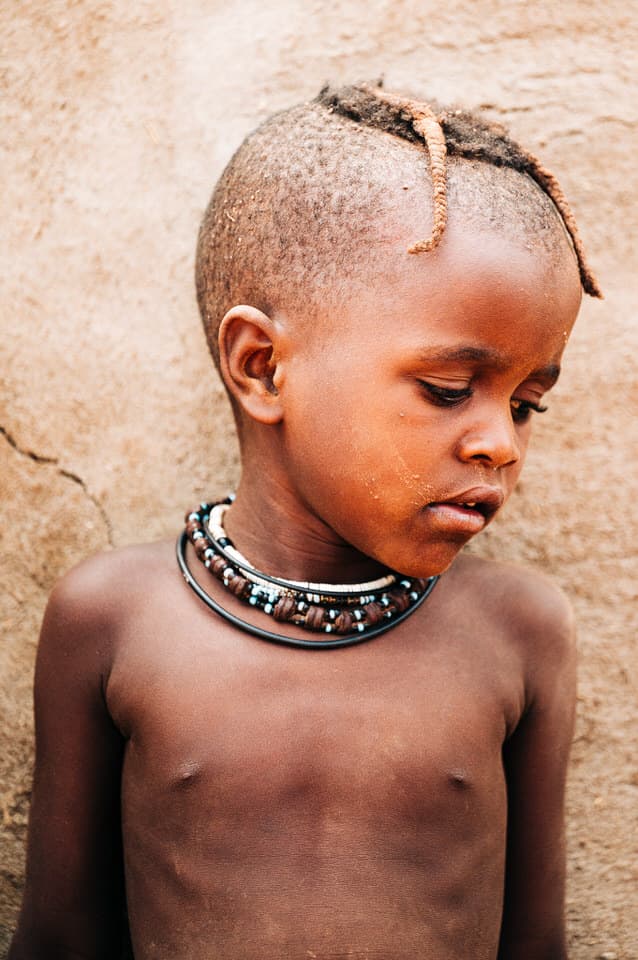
(492, 441)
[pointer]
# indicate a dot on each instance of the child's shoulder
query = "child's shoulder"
(102, 591)
(100, 579)
(505, 583)
(528, 605)
(519, 623)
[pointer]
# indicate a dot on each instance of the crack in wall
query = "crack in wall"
(67, 474)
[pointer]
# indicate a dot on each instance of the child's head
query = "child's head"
(393, 313)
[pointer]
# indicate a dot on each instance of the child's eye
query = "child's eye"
(521, 409)
(445, 396)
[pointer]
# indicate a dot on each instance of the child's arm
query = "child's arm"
(73, 899)
(535, 758)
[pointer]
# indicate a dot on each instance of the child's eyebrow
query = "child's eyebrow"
(485, 356)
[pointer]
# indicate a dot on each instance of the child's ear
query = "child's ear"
(247, 357)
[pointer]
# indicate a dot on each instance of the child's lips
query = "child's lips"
(468, 511)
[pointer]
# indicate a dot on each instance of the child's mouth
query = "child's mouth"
(467, 512)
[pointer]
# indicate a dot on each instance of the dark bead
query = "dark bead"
(401, 601)
(200, 547)
(343, 623)
(374, 613)
(284, 608)
(240, 587)
(315, 617)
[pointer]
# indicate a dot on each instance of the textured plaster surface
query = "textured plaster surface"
(117, 119)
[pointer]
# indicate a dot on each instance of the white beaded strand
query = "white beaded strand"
(216, 526)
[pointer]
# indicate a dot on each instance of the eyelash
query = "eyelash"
(448, 397)
(520, 413)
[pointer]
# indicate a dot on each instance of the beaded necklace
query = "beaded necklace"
(352, 613)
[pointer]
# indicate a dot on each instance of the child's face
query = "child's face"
(416, 400)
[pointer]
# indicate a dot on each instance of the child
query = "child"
(385, 780)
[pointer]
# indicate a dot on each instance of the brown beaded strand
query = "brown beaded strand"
(289, 604)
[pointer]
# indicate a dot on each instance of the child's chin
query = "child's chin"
(431, 563)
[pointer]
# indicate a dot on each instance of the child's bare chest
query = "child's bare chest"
(258, 769)
(407, 731)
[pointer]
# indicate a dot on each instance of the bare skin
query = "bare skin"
(398, 799)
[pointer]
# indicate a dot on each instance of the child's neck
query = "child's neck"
(276, 534)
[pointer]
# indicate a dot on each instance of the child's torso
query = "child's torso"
(287, 803)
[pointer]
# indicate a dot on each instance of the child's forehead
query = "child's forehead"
(487, 285)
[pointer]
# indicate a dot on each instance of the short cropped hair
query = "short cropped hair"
(300, 202)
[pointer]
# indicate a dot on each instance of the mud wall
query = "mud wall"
(118, 117)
